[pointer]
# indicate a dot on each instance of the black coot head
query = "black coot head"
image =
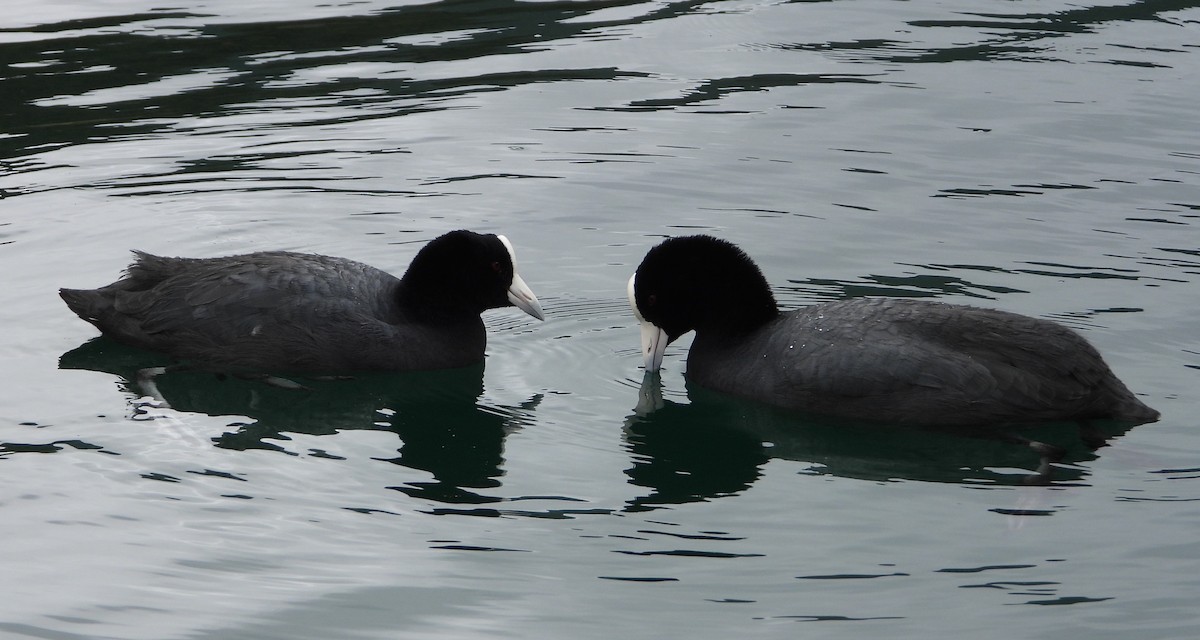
(700, 283)
(469, 271)
(693, 282)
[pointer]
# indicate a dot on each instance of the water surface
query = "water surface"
(1039, 157)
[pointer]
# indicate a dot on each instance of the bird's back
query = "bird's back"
(268, 310)
(917, 362)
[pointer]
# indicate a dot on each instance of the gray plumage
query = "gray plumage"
(918, 362)
(886, 359)
(281, 311)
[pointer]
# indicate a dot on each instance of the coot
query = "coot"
(279, 311)
(878, 359)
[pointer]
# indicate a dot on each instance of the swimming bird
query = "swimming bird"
(278, 311)
(874, 359)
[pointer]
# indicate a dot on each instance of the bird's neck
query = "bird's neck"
(739, 312)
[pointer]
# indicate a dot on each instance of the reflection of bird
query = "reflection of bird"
(461, 446)
(891, 360)
(290, 312)
(688, 453)
(445, 425)
(715, 445)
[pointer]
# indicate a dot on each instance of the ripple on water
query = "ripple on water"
(570, 352)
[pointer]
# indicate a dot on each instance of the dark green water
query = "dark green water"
(1036, 157)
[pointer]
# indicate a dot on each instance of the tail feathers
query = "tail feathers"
(109, 303)
(86, 303)
(148, 270)
(117, 309)
(1135, 411)
(1123, 406)
(103, 309)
